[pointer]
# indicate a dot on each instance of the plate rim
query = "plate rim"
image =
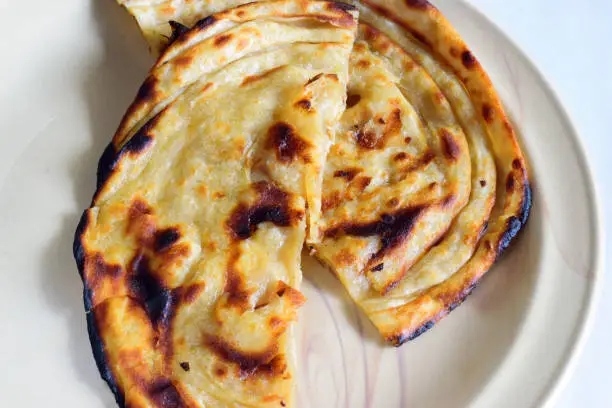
(567, 366)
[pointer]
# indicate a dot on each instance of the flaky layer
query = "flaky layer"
(409, 232)
(190, 251)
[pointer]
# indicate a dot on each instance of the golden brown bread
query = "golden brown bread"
(190, 251)
(423, 188)
(405, 254)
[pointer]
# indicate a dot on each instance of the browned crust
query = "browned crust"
(425, 23)
(97, 347)
(338, 14)
(450, 294)
(147, 293)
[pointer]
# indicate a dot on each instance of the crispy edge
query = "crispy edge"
(331, 12)
(448, 295)
(440, 37)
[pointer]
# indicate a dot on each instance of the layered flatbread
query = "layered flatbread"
(421, 156)
(239, 148)
(404, 268)
(190, 251)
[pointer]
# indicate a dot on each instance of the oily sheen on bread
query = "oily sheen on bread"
(190, 251)
(425, 185)
(451, 94)
(239, 148)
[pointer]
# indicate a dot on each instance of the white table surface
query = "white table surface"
(570, 42)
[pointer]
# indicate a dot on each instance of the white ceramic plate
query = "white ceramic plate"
(70, 68)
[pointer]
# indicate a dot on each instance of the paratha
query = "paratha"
(422, 155)
(190, 251)
(405, 269)
(409, 194)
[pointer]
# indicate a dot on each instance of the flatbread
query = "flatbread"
(190, 251)
(421, 157)
(415, 34)
(423, 189)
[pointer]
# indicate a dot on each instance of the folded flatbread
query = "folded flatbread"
(240, 147)
(190, 251)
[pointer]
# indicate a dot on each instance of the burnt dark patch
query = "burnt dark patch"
(483, 183)
(378, 267)
(366, 139)
(468, 59)
(483, 230)
(527, 203)
(419, 36)
(314, 78)
(352, 100)
(178, 31)
(101, 268)
(448, 201)
(392, 228)
(272, 205)
(110, 158)
(221, 40)
(275, 368)
(165, 238)
(488, 113)
(78, 250)
(144, 287)
(402, 338)
(450, 304)
(337, 5)
(106, 166)
(516, 164)
(348, 174)
(450, 148)
(141, 140)
(205, 22)
(248, 363)
(185, 366)
(99, 353)
(440, 239)
(514, 224)
(164, 394)
(304, 104)
(147, 91)
(418, 4)
(510, 183)
(400, 156)
(407, 140)
(286, 143)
